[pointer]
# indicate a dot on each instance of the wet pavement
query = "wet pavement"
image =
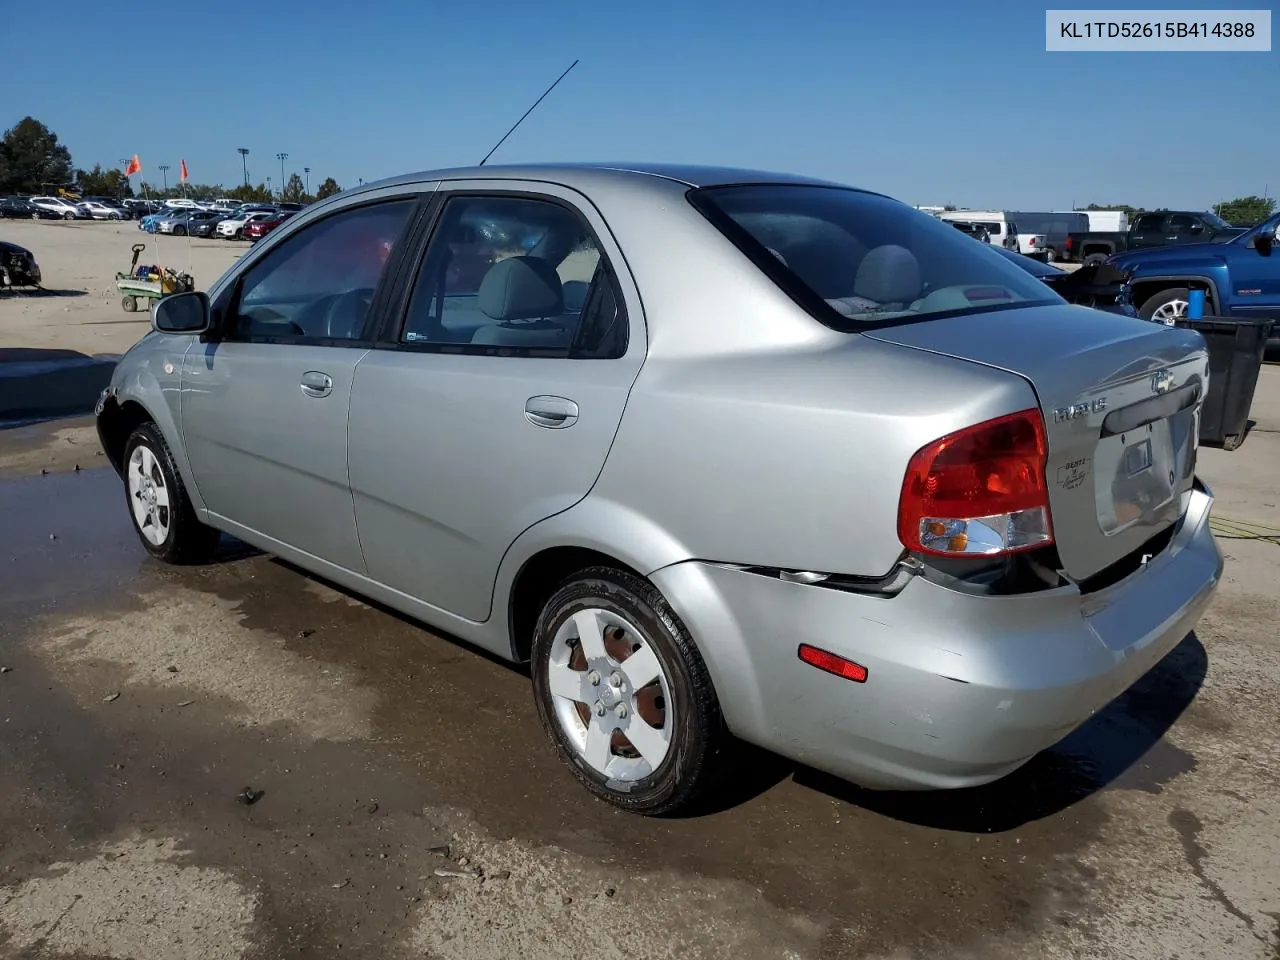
(140, 702)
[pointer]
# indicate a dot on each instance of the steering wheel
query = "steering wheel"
(319, 317)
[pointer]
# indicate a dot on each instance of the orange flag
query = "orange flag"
(184, 170)
(135, 166)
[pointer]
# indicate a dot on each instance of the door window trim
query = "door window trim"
(229, 302)
(396, 315)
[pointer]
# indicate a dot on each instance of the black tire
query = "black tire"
(1155, 302)
(179, 231)
(1233, 441)
(699, 735)
(1094, 258)
(130, 304)
(188, 541)
(1050, 255)
(68, 216)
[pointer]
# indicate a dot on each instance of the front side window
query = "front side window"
(858, 260)
(513, 273)
(1150, 222)
(319, 283)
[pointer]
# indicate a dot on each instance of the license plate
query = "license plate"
(1137, 458)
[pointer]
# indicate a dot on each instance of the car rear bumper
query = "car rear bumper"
(961, 689)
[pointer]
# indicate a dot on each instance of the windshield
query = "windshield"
(859, 260)
(1215, 221)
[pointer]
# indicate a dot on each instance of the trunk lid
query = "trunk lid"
(1121, 405)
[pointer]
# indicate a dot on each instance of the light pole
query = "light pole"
(307, 171)
(164, 170)
(244, 162)
(124, 165)
(282, 157)
(269, 188)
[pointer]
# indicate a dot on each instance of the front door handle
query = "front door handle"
(317, 384)
(552, 412)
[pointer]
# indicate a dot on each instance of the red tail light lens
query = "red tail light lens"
(980, 491)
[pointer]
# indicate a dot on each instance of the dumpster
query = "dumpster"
(1236, 348)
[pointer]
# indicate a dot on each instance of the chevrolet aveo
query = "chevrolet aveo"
(717, 452)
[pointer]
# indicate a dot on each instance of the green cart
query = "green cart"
(149, 282)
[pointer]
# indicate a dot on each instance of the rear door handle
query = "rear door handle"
(317, 384)
(552, 412)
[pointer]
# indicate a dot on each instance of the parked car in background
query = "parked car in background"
(994, 222)
(1099, 286)
(94, 210)
(255, 230)
(232, 228)
(151, 222)
(18, 267)
(1054, 227)
(900, 546)
(1028, 244)
(974, 230)
(1240, 277)
(21, 208)
(1159, 229)
(205, 226)
(63, 208)
(186, 221)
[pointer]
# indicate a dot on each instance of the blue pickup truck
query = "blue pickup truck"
(1241, 277)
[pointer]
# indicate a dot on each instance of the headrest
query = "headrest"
(521, 288)
(888, 274)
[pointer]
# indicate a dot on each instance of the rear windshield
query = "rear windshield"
(858, 261)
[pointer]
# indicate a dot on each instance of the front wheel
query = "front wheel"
(624, 694)
(68, 216)
(1167, 306)
(159, 507)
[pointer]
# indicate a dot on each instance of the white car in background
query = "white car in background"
(234, 229)
(64, 208)
(99, 211)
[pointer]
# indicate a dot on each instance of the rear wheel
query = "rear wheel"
(159, 507)
(1050, 255)
(1093, 259)
(130, 304)
(624, 694)
(1167, 306)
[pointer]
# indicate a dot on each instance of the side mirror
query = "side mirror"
(181, 313)
(1263, 242)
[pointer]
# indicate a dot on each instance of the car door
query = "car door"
(1184, 228)
(264, 405)
(1147, 232)
(492, 404)
(1255, 277)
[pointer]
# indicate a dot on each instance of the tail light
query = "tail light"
(980, 491)
(1068, 244)
(1033, 241)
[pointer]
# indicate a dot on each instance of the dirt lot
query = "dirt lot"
(79, 308)
(412, 808)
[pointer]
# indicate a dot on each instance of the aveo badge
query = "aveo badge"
(1077, 410)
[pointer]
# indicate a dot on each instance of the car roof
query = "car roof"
(600, 175)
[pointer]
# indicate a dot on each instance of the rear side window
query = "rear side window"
(858, 260)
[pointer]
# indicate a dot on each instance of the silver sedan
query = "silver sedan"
(719, 452)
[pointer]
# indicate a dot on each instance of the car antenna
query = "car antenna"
(526, 113)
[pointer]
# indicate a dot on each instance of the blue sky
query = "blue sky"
(931, 102)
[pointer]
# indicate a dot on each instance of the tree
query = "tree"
(1246, 211)
(328, 188)
(103, 183)
(36, 161)
(249, 194)
(294, 191)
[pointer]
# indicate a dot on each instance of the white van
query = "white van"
(995, 222)
(1104, 221)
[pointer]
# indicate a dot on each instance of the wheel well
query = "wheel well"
(540, 577)
(1142, 291)
(115, 423)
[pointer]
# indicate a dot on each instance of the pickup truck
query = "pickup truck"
(1160, 229)
(1240, 277)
